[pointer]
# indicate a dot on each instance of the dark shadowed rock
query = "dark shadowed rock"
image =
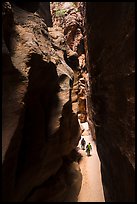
(39, 124)
(28, 6)
(44, 12)
(110, 44)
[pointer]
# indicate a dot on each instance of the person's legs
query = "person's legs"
(87, 152)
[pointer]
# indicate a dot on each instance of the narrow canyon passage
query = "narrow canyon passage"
(91, 188)
(67, 74)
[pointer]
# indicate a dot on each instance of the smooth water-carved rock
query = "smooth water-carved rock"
(46, 127)
(110, 48)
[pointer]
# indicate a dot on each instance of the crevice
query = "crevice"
(68, 75)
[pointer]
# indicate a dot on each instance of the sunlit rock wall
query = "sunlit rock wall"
(40, 127)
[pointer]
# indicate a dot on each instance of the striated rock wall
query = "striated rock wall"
(111, 65)
(40, 125)
(69, 15)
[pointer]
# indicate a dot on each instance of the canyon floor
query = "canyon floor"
(91, 188)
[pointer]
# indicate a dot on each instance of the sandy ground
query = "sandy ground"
(91, 188)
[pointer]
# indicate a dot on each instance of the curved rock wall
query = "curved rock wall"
(38, 105)
(69, 15)
(111, 65)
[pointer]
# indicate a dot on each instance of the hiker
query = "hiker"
(83, 143)
(88, 148)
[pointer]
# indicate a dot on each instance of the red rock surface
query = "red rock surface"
(40, 127)
(110, 58)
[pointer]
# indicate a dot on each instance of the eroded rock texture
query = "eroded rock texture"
(40, 122)
(110, 48)
(69, 15)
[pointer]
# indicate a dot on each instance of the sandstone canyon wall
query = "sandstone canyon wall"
(40, 122)
(111, 65)
(45, 90)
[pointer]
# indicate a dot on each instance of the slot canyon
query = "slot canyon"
(68, 72)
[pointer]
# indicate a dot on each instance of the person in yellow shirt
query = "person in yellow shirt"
(88, 149)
